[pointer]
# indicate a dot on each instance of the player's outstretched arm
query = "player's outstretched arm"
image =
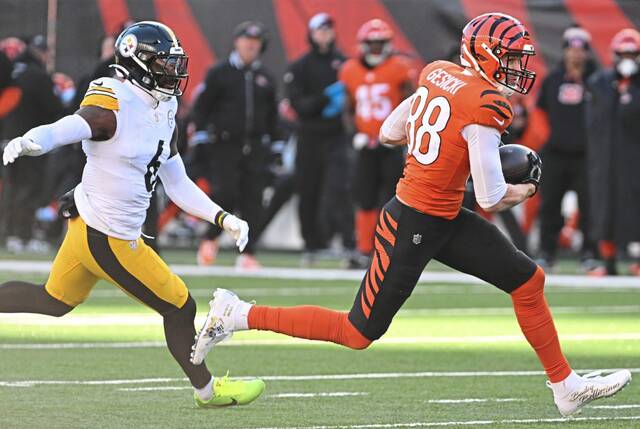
(186, 194)
(87, 123)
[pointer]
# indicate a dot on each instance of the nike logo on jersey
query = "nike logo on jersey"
(500, 122)
(98, 83)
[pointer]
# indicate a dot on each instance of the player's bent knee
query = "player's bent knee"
(532, 288)
(188, 310)
(360, 345)
(57, 308)
(353, 339)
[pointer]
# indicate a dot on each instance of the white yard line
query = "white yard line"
(335, 274)
(276, 396)
(311, 377)
(628, 336)
(465, 423)
(347, 290)
(152, 319)
(74, 346)
(154, 389)
(472, 400)
(615, 407)
(317, 395)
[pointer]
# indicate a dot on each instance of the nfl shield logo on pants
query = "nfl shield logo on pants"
(417, 238)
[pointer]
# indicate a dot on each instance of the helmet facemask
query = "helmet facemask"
(375, 51)
(512, 72)
(170, 74)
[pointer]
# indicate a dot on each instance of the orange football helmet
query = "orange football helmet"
(498, 46)
(374, 38)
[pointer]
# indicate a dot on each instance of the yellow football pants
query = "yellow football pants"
(87, 255)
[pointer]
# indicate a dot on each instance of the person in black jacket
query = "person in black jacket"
(323, 161)
(613, 114)
(24, 179)
(235, 117)
(562, 98)
(6, 104)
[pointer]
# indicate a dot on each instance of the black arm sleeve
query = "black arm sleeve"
(306, 104)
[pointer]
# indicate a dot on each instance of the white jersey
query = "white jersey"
(121, 173)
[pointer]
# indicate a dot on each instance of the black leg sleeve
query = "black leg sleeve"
(179, 333)
(23, 297)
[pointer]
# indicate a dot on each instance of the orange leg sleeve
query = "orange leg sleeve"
(366, 221)
(537, 325)
(309, 322)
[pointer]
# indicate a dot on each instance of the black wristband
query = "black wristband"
(219, 218)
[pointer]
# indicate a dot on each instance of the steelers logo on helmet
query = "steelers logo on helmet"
(128, 45)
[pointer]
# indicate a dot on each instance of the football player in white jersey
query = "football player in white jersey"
(128, 132)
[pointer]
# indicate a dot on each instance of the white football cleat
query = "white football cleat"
(218, 326)
(590, 387)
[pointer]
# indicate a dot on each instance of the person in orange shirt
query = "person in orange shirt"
(451, 126)
(376, 82)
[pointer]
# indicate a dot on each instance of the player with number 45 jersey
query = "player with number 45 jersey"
(128, 132)
(376, 82)
(452, 126)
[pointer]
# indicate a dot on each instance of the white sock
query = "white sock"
(241, 316)
(206, 392)
(567, 385)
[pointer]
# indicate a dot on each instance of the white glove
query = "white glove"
(19, 146)
(360, 141)
(238, 229)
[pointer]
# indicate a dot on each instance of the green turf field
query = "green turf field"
(454, 354)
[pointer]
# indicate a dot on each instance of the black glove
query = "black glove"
(535, 170)
(67, 206)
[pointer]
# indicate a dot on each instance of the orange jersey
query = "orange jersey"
(375, 92)
(449, 97)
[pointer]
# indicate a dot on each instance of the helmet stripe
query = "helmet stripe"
(472, 42)
(518, 36)
(496, 23)
(507, 29)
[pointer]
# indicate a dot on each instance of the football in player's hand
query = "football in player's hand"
(520, 164)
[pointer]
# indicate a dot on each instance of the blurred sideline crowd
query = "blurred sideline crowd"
(252, 141)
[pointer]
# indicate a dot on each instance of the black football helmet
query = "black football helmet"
(149, 53)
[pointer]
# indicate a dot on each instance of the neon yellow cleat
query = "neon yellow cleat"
(228, 392)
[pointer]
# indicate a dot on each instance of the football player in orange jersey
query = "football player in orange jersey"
(451, 126)
(376, 82)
